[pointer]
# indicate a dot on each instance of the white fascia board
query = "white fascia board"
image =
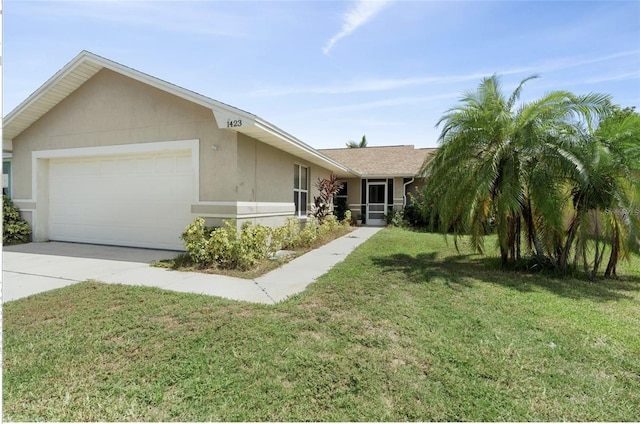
(51, 82)
(233, 119)
(246, 123)
(160, 84)
(377, 176)
(227, 117)
(102, 62)
(266, 126)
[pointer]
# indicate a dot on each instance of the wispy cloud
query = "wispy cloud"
(398, 101)
(360, 14)
(567, 63)
(378, 84)
(384, 84)
(613, 77)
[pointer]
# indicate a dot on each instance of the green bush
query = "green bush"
(418, 213)
(228, 248)
(15, 230)
(346, 221)
(397, 219)
(308, 234)
(289, 234)
(196, 241)
(340, 210)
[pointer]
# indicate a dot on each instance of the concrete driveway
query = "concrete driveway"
(37, 267)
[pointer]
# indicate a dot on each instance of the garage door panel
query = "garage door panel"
(108, 167)
(141, 200)
(166, 166)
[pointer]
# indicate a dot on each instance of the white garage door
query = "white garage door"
(138, 200)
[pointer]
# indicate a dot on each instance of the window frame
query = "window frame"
(298, 190)
(343, 194)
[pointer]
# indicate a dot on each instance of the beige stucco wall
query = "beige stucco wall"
(398, 188)
(263, 185)
(265, 174)
(111, 109)
(239, 177)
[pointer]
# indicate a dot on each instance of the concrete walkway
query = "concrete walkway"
(37, 267)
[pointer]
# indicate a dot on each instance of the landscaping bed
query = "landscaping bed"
(253, 250)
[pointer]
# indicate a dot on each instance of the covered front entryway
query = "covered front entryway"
(377, 195)
(141, 200)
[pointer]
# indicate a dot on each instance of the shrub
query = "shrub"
(323, 204)
(196, 241)
(253, 245)
(15, 230)
(308, 235)
(289, 234)
(219, 251)
(228, 248)
(346, 221)
(225, 247)
(397, 219)
(340, 210)
(416, 213)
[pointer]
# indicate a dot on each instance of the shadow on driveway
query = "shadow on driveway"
(92, 251)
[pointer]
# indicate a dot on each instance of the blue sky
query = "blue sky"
(331, 71)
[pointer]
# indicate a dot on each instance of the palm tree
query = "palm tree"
(499, 167)
(606, 192)
(353, 145)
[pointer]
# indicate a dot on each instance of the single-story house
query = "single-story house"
(102, 153)
(384, 176)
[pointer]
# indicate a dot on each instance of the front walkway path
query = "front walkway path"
(37, 267)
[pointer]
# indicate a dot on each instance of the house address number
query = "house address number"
(231, 123)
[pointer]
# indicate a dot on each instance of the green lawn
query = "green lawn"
(404, 329)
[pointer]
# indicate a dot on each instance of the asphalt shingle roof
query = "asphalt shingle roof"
(404, 160)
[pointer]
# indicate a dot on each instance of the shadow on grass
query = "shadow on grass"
(423, 268)
(462, 270)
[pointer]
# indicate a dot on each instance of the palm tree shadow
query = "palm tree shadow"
(460, 271)
(423, 268)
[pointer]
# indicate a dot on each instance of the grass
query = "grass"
(405, 329)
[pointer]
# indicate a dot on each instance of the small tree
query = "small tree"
(323, 204)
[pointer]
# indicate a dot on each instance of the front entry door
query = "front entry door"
(376, 203)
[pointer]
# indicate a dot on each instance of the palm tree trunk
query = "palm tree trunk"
(512, 228)
(615, 250)
(571, 234)
(532, 234)
(518, 237)
(597, 257)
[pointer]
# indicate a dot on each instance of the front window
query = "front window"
(300, 191)
(340, 202)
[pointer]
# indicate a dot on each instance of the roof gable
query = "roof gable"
(87, 64)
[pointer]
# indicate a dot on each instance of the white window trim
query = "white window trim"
(298, 191)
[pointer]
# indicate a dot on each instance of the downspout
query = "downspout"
(404, 191)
